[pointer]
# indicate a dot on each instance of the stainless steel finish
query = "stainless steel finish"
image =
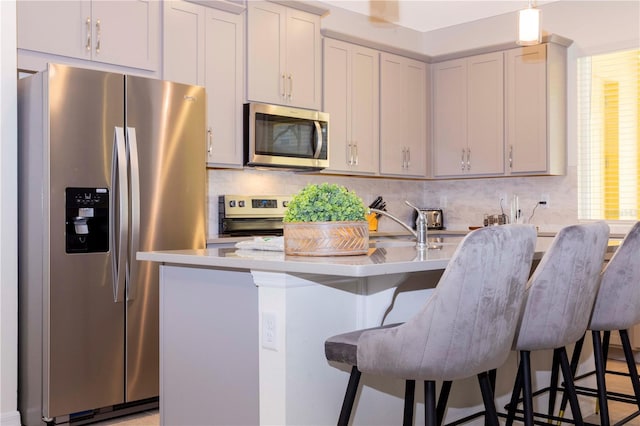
(78, 349)
(88, 43)
(266, 160)
(251, 214)
(420, 233)
(167, 117)
(122, 184)
(318, 149)
(134, 231)
(98, 36)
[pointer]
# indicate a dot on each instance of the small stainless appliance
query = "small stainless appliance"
(285, 137)
(240, 215)
(435, 218)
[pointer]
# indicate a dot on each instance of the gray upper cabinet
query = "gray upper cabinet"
(204, 46)
(283, 56)
(404, 116)
(124, 33)
(536, 107)
(351, 97)
(468, 137)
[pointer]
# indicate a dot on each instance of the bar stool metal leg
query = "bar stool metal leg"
(515, 395)
(568, 380)
(430, 417)
(349, 397)
(600, 370)
(442, 401)
(409, 395)
(631, 364)
(491, 416)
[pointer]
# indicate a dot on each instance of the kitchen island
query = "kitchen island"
(242, 333)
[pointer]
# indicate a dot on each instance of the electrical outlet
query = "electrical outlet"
(545, 198)
(503, 201)
(269, 331)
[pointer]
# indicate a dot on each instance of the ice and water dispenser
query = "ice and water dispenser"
(87, 220)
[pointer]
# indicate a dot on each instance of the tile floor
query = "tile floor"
(617, 410)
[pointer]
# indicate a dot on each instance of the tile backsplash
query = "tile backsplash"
(464, 201)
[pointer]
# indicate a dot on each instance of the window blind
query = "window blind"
(608, 136)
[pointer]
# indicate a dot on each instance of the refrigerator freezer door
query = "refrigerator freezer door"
(166, 128)
(85, 364)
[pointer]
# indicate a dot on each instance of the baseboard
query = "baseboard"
(11, 418)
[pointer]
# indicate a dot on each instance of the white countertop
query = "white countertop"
(385, 257)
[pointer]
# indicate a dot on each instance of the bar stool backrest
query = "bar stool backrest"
(561, 292)
(617, 305)
(467, 325)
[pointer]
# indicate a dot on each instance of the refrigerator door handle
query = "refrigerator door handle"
(134, 242)
(120, 181)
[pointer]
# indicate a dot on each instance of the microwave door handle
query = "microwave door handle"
(318, 147)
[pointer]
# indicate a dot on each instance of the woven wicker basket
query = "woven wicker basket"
(326, 238)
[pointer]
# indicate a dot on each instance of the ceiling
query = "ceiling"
(428, 15)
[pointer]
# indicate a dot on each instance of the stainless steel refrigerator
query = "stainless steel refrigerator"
(109, 165)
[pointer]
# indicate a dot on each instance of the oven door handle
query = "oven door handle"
(318, 147)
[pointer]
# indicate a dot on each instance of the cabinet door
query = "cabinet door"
(303, 60)
(351, 97)
(55, 27)
(365, 108)
(266, 77)
(449, 118)
(126, 33)
(337, 102)
(485, 114)
(183, 46)
(224, 78)
(403, 116)
(415, 89)
(526, 97)
(392, 116)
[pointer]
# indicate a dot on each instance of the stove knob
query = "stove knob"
(241, 203)
(285, 204)
(232, 203)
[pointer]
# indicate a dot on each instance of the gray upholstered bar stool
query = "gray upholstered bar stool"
(465, 328)
(617, 308)
(559, 299)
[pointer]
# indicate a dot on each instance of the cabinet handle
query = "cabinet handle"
(468, 159)
(408, 157)
(462, 160)
(511, 157)
(290, 86)
(355, 147)
(349, 154)
(98, 36)
(88, 45)
(210, 140)
(284, 89)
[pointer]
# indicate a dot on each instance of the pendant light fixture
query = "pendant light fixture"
(529, 32)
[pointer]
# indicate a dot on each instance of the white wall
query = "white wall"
(9, 415)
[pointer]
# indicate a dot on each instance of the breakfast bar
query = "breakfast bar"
(242, 333)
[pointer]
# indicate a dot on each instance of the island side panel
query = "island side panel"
(208, 347)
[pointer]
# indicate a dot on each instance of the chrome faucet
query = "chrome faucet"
(420, 233)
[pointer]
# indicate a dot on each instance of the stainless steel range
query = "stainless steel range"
(240, 215)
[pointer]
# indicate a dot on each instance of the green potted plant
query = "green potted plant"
(326, 220)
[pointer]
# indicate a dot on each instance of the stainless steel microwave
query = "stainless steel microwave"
(285, 137)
